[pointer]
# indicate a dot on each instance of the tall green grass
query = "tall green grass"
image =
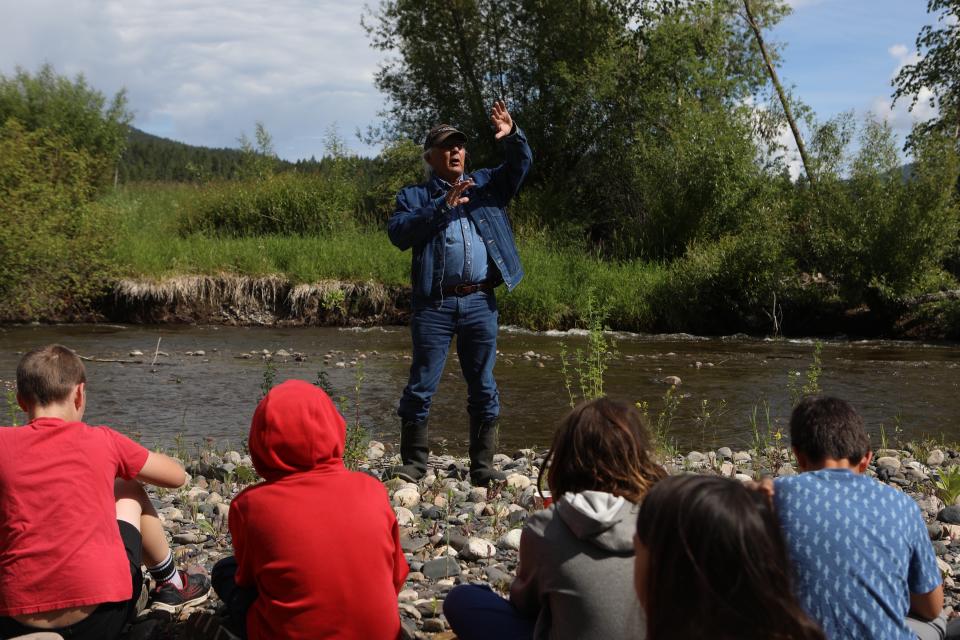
(560, 278)
(149, 245)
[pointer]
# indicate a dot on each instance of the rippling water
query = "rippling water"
(904, 386)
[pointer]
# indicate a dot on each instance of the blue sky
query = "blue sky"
(841, 54)
(204, 71)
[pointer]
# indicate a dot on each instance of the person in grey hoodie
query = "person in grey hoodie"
(575, 575)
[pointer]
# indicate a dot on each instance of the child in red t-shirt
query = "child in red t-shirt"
(317, 546)
(74, 520)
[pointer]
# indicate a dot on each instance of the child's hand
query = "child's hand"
(765, 486)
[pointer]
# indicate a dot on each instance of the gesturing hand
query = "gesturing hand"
(501, 120)
(455, 196)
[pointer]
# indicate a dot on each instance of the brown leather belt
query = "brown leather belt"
(466, 288)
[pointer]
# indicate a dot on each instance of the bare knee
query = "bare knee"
(131, 501)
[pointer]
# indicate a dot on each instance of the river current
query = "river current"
(905, 389)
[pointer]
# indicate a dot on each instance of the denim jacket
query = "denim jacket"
(422, 215)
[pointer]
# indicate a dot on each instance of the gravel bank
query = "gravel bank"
(453, 532)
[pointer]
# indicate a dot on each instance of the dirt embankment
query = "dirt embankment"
(243, 300)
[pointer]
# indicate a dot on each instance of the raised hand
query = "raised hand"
(455, 196)
(501, 120)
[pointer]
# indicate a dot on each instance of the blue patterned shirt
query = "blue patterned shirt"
(464, 252)
(859, 548)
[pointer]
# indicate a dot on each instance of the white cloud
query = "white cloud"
(203, 72)
(899, 116)
(899, 51)
(904, 56)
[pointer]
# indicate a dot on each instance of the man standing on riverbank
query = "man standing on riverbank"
(457, 228)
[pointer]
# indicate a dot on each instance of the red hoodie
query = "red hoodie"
(320, 543)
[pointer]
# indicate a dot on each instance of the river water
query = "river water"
(904, 388)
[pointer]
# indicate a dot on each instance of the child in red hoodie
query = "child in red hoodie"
(320, 544)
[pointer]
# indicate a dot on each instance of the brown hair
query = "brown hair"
(48, 374)
(602, 445)
(718, 564)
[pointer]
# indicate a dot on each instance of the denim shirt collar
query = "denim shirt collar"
(438, 186)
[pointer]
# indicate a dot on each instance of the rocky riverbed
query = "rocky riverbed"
(454, 533)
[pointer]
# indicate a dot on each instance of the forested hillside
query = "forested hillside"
(152, 158)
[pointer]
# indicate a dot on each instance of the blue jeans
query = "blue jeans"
(473, 320)
(475, 612)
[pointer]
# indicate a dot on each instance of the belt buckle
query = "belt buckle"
(462, 289)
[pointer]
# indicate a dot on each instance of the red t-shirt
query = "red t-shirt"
(59, 542)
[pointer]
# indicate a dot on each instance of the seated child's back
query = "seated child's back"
(860, 551)
(59, 542)
(58, 523)
(320, 543)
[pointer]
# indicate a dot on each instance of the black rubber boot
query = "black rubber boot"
(483, 444)
(414, 452)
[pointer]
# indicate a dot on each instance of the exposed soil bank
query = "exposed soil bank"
(266, 301)
(274, 301)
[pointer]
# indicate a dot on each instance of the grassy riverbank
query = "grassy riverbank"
(149, 245)
(745, 282)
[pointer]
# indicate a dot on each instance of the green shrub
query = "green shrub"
(78, 114)
(874, 232)
(398, 165)
(282, 204)
(54, 243)
(555, 291)
(724, 286)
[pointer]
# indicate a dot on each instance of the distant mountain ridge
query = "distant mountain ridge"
(152, 158)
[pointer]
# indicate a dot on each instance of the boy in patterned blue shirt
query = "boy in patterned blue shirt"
(863, 563)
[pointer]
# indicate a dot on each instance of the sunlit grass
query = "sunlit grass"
(552, 295)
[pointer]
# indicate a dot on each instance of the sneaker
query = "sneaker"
(196, 589)
(207, 626)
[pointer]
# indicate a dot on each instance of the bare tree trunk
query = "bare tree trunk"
(787, 111)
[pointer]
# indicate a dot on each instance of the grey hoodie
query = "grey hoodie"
(576, 570)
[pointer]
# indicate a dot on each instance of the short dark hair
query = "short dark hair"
(718, 564)
(602, 445)
(824, 428)
(47, 375)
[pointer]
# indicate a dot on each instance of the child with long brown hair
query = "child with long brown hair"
(575, 576)
(711, 563)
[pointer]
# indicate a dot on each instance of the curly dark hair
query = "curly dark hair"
(601, 445)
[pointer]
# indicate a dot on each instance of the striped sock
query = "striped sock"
(166, 572)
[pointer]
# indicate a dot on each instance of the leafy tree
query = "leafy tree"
(54, 243)
(72, 110)
(877, 235)
(259, 158)
(938, 70)
(610, 94)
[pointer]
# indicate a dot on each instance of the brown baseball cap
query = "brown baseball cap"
(442, 133)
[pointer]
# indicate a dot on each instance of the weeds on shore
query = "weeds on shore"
(897, 433)
(664, 441)
(354, 450)
(811, 385)
(587, 371)
(13, 407)
(356, 440)
(269, 378)
(947, 484)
